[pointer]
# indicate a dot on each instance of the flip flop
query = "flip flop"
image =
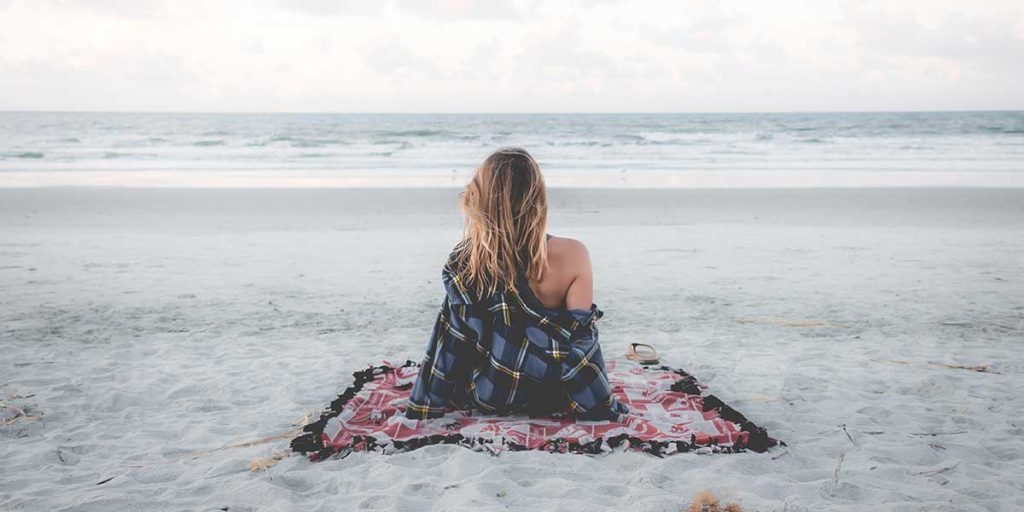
(642, 353)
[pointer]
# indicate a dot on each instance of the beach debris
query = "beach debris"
(258, 464)
(11, 414)
(287, 436)
(791, 323)
(22, 397)
(848, 436)
(265, 463)
(933, 472)
(956, 323)
(705, 501)
(933, 434)
(839, 467)
(980, 367)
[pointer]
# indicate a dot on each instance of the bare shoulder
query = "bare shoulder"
(567, 252)
(571, 274)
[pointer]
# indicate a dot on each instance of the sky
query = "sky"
(511, 56)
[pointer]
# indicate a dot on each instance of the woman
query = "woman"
(516, 332)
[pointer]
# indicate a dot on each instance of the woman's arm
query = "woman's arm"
(580, 294)
(449, 353)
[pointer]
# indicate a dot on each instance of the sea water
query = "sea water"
(604, 150)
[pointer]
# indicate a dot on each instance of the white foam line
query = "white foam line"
(555, 178)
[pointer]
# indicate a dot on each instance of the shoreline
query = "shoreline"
(437, 208)
(639, 190)
(560, 178)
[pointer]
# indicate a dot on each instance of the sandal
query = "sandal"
(642, 353)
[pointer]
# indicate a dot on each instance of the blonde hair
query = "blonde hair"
(506, 209)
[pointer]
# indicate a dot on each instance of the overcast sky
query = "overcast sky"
(526, 56)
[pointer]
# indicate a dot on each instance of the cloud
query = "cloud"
(389, 57)
(527, 55)
(433, 9)
(153, 82)
(712, 33)
(462, 9)
(111, 8)
(334, 7)
(993, 43)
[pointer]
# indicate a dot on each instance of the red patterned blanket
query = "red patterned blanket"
(669, 413)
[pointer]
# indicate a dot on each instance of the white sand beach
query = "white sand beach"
(142, 325)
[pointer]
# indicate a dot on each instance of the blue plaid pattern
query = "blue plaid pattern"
(509, 354)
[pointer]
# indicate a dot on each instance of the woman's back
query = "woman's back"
(568, 280)
(507, 352)
(516, 331)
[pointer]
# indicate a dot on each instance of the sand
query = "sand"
(142, 325)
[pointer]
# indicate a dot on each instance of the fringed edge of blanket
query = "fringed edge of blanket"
(311, 442)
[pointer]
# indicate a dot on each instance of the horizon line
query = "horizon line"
(691, 112)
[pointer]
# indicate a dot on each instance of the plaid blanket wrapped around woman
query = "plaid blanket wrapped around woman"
(509, 354)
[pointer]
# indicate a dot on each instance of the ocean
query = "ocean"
(602, 150)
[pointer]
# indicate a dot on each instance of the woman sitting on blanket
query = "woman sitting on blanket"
(516, 332)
